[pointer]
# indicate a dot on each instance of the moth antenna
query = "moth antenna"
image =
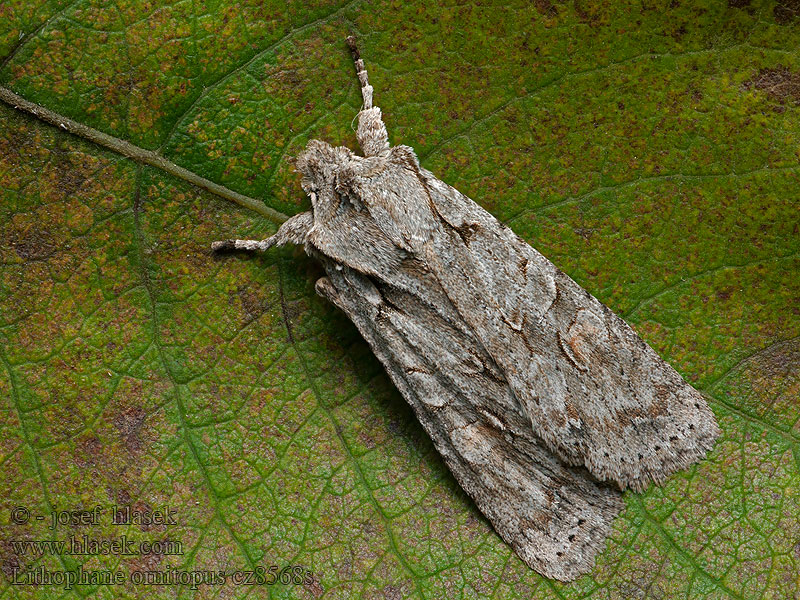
(372, 135)
(361, 71)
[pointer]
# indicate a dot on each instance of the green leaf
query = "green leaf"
(651, 151)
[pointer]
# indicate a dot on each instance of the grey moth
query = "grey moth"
(543, 403)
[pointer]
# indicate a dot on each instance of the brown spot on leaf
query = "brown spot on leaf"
(69, 180)
(90, 450)
(9, 562)
(289, 77)
(546, 7)
(70, 173)
(315, 587)
(34, 244)
(123, 497)
(773, 364)
(129, 423)
(146, 562)
(723, 294)
(253, 305)
(392, 592)
(583, 13)
(679, 32)
(366, 440)
(17, 140)
(786, 11)
(780, 83)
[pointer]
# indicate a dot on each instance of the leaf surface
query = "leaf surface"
(651, 152)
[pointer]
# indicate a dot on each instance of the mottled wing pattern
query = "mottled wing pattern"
(593, 391)
(555, 517)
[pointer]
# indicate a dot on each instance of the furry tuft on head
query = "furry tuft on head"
(319, 163)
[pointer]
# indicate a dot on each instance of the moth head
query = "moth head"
(319, 165)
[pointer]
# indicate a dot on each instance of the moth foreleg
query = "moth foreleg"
(249, 245)
(326, 289)
(293, 231)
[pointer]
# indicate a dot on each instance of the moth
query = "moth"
(543, 403)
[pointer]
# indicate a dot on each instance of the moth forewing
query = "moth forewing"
(555, 517)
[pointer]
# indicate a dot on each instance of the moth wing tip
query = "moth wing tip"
(571, 564)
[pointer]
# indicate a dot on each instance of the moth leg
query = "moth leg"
(372, 135)
(293, 231)
(325, 289)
